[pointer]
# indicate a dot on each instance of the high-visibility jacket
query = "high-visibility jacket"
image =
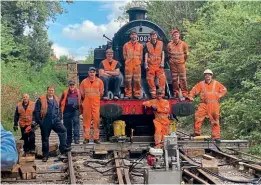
(109, 66)
(155, 54)
(209, 93)
(92, 89)
(162, 112)
(44, 104)
(65, 94)
(132, 53)
(25, 116)
(177, 52)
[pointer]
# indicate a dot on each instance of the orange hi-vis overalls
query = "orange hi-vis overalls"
(154, 62)
(177, 59)
(133, 56)
(26, 116)
(161, 121)
(209, 105)
(91, 92)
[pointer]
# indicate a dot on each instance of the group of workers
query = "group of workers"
(62, 115)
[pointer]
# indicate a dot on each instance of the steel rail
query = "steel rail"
(71, 169)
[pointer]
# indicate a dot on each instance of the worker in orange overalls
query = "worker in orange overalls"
(161, 122)
(132, 53)
(178, 52)
(91, 89)
(24, 115)
(210, 92)
(154, 64)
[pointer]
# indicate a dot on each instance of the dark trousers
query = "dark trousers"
(29, 140)
(72, 123)
(115, 80)
(46, 127)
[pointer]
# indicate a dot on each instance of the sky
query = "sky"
(82, 27)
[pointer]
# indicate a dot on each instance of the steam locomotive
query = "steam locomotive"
(131, 111)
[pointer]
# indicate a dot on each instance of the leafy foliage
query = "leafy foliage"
(19, 78)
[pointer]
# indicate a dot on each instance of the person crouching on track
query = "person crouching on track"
(154, 64)
(109, 72)
(132, 53)
(71, 107)
(178, 53)
(92, 90)
(210, 92)
(161, 122)
(48, 116)
(24, 115)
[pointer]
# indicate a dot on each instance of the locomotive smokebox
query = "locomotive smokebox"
(136, 13)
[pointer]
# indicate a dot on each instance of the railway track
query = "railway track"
(116, 163)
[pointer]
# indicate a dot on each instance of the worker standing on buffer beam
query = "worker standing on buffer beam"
(49, 116)
(109, 71)
(154, 64)
(210, 92)
(92, 90)
(132, 53)
(24, 115)
(71, 107)
(161, 122)
(178, 53)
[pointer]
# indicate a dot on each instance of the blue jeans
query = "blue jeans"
(72, 123)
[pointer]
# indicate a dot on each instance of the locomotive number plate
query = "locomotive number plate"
(143, 38)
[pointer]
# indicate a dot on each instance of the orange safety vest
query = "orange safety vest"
(177, 52)
(109, 66)
(92, 89)
(65, 94)
(154, 54)
(44, 104)
(209, 93)
(26, 116)
(133, 52)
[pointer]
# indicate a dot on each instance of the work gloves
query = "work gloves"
(15, 127)
(146, 66)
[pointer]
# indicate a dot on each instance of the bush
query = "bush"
(19, 78)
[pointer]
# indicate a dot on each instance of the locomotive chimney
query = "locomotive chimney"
(136, 13)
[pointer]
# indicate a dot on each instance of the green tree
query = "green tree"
(90, 57)
(226, 39)
(24, 32)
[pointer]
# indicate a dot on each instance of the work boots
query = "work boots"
(96, 141)
(86, 141)
(45, 159)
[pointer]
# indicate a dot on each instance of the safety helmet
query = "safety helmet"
(208, 71)
(159, 91)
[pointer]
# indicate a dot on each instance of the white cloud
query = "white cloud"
(60, 51)
(73, 53)
(92, 33)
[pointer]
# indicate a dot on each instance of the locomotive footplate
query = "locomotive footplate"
(139, 146)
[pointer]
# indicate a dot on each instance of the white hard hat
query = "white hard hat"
(208, 71)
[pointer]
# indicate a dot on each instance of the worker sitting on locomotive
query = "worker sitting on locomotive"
(132, 53)
(161, 122)
(178, 52)
(109, 72)
(154, 64)
(210, 92)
